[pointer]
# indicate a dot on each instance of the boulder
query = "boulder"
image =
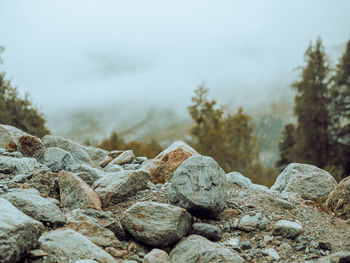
(76, 150)
(67, 246)
(116, 187)
(287, 229)
(123, 158)
(194, 248)
(18, 232)
(14, 166)
(199, 185)
(75, 193)
(251, 223)
(310, 182)
(32, 204)
(338, 200)
(162, 167)
(90, 228)
(156, 224)
(31, 146)
(58, 159)
(157, 256)
(208, 231)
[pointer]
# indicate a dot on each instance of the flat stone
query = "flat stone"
(251, 223)
(208, 231)
(157, 256)
(287, 229)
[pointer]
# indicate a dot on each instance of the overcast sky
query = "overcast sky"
(82, 52)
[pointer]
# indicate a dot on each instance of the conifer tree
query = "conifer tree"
(286, 147)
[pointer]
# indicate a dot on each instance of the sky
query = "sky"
(91, 53)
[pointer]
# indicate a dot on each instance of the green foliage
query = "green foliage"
(116, 142)
(286, 146)
(19, 112)
(228, 138)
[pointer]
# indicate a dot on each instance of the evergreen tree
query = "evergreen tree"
(286, 146)
(311, 109)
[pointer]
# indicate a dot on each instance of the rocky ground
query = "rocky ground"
(65, 202)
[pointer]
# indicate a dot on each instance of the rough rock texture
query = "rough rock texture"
(338, 257)
(242, 181)
(7, 140)
(287, 229)
(94, 172)
(45, 182)
(10, 165)
(115, 187)
(157, 256)
(156, 224)
(58, 159)
(251, 223)
(31, 146)
(18, 232)
(124, 158)
(208, 231)
(66, 245)
(75, 193)
(196, 248)
(162, 167)
(199, 185)
(339, 199)
(310, 182)
(76, 150)
(32, 204)
(96, 154)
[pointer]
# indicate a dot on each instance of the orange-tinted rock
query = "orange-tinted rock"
(75, 193)
(162, 167)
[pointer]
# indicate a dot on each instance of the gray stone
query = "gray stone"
(208, 231)
(96, 154)
(113, 168)
(239, 179)
(124, 158)
(116, 187)
(310, 182)
(199, 185)
(338, 200)
(45, 182)
(75, 193)
(32, 204)
(156, 224)
(76, 150)
(86, 177)
(58, 159)
(287, 229)
(7, 140)
(94, 172)
(338, 257)
(286, 251)
(85, 261)
(194, 248)
(68, 245)
(271, 253)
(14, 166)
(131, 166)
(18, 232)
(157, 256)
(251, 223)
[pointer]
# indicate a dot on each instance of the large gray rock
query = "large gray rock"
(287, 229)
(199, 185)
(96, 154)
(76, 150)
(75, 193)
(338, 200)
(310, 182)
(58, 159)
(94, 172)
(32, 204)
(10, 165)
(196, 248)
(18, 232)
(251, 223)
(156, 224)
(116, 187)
(157, 256)
(208, 231)
(67, 246)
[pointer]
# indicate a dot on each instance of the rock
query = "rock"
(86, 177)
(18, 232)
(286, 250)
(287, 229)
(338, 257)
(76, 150)
(199, 185)
(68, 245)
(310, 182)
(239, 179)
(325, 245)
(194, 248)
(32, 204)
(338, 200)
(97, 155)
(116, 187)
(156, 224)
(94, 172)
(162, 167)
(85, 261)
(75, 193)
(251, 223)
(10, 165)
(124, 158)
(113, 168)
(7, 140)
(157, 256)
(131, 166)
(271, 253)
(228, 214)
(45, 182)
(58, 159)
(208, 231)
(31, 146)
(90, 228)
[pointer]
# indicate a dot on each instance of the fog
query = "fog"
(118, 59)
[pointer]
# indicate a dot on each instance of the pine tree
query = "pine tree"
(286, 146)
(311, 109)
